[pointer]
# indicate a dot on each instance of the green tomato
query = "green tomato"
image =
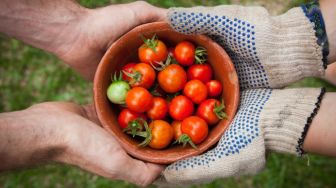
(117, 91)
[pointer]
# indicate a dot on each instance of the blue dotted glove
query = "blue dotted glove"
(268, 52)
(267, 120)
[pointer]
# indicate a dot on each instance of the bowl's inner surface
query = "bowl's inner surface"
(125, 51)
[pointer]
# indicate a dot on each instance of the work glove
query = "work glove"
(268, 52)
(267, 119)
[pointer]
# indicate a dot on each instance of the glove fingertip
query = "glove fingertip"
(181, 21)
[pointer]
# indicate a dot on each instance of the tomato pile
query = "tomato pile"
(170, 95)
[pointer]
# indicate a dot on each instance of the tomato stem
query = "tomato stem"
(115, 78)
(161, 66)
(219, 110)
(147, 134)
(133, 127)
(200, 55)
(185, 139)
(136, 76)
(151, 43)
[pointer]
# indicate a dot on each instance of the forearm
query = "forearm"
(26, 141)
(330, 74)
(41, 23)
(321, 137)
(328, 8)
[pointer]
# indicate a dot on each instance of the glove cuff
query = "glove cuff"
(313, 13)
(289, 50)
(287, 116)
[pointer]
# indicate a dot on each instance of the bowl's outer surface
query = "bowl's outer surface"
(124, 51)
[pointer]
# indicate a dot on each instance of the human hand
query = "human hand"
(267, 119)
(77, 35)
(68, 133)
(99, 28)
(268, 52)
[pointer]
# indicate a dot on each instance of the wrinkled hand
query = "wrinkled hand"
(89, 146)
(99, 28)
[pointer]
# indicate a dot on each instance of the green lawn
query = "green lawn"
(29, 76)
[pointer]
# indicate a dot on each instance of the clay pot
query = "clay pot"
(124, 51)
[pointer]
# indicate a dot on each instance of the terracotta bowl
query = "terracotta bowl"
(124, 51)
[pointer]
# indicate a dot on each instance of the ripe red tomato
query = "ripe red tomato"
(181, 107)
(214, 88)
(138, 99)
(127, 69)
(201, 72)
(126, 115)
(159, 109)
(172, 79)
(152, 51)
(196, 91)
(211, 110)
(162, 134)
(143, 75)
(185, 53)
(177, 129)
(196, 128)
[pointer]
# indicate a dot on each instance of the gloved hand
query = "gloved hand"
(268, 52)
(267, 119)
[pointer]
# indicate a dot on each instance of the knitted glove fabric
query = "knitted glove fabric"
(268, 52)
(267, 120)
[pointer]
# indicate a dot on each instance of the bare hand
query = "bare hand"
(99, 28)
(68, 133)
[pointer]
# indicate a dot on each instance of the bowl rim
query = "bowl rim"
(133, 152)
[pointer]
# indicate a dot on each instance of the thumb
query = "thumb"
(145, 12)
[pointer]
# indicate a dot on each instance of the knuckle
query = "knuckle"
(142, 4)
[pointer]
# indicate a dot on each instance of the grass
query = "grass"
(29, 76)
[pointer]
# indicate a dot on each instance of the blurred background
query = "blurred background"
(29, 76)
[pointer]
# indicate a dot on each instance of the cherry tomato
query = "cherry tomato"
(211, 110)
(214, 88)
(181, 107)
(162, 134)
(117, 91)
(196, 128)
(201, 72)
(159, 109)
(127, 69)
(152, 51)
(185, 53)
(172, 79)
(177, 129)
(138, 99)
(143, 75)
(126, 115)
(196, 91)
